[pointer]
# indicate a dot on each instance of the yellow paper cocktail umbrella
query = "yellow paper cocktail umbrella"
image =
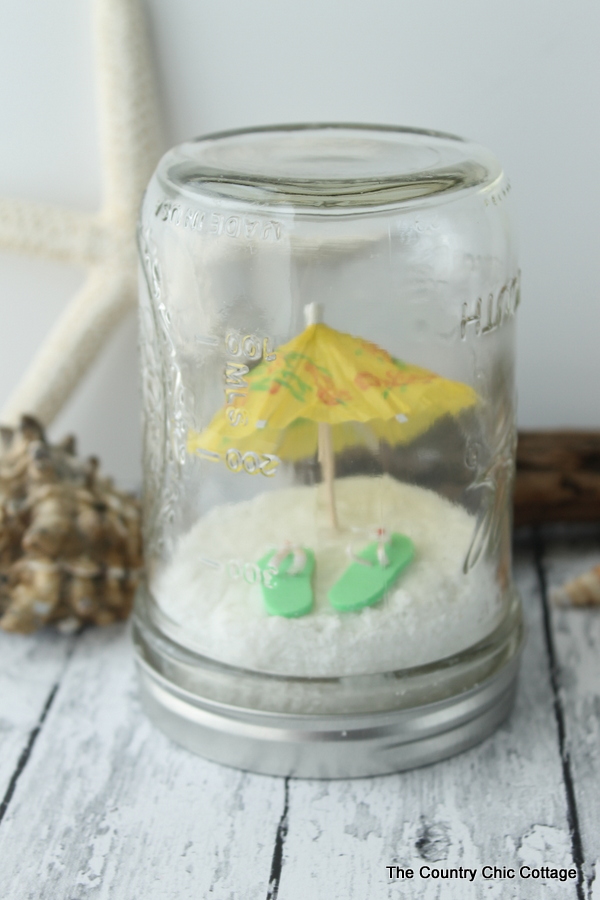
(322, 391)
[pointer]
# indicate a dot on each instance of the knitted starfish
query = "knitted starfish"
(103, 243)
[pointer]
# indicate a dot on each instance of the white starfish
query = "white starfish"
(104, 243)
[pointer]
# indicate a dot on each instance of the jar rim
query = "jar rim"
(329, 166)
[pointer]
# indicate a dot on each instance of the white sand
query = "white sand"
(433, 610)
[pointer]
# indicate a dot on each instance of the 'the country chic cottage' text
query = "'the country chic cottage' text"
(485, 873)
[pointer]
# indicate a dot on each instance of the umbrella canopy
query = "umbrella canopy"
(327, 377)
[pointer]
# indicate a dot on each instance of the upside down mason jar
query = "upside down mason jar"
(327, 341)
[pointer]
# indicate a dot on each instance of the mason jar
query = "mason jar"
(327, 324)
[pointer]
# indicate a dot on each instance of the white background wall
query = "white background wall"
(520, 76)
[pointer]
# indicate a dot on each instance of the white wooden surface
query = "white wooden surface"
(98, 805)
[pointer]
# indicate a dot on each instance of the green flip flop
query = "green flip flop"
(286, 584)
(374, 570)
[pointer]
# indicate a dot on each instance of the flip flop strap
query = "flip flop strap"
(382, 536)
(356, 558)
(298, 561)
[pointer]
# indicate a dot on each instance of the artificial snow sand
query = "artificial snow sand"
(433, 611)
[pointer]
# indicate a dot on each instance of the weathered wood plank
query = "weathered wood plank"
(502, 803)
(107, 807)
(30, 667)
(577, 641)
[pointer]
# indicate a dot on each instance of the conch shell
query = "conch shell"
(70, 545)
(581, 591)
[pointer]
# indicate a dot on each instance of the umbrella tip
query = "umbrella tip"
(313, 313)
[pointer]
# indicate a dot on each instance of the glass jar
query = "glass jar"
(327, 319)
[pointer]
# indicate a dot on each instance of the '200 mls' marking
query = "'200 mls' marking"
(250, 462)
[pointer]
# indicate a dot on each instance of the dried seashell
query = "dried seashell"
(581, 591)
(34, 596)
(70, 543)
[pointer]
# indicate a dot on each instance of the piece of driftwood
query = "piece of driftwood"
(558, 477)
